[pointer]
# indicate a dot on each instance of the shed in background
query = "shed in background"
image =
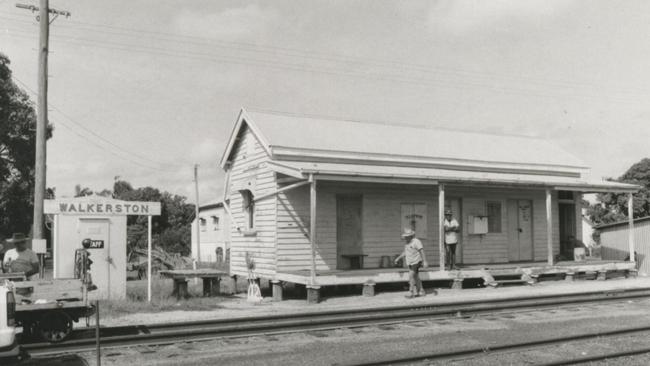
(214, 228)
(614, 241)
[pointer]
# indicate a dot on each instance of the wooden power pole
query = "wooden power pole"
(196, 213)
(43, 18)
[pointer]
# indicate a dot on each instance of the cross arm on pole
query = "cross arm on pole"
(34, 9)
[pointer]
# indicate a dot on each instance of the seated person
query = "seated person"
(20, 258)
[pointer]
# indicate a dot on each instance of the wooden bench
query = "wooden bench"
(211, 280)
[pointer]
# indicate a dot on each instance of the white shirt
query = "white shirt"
(451, 237)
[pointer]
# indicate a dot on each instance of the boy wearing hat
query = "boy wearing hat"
(20, 258)
(451, 238)
(415, 259)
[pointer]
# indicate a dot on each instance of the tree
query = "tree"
(17, 150)
(612, 207)
(81, 192)
(170, 230)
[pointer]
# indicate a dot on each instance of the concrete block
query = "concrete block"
(313, 294)
(457, 284)
(569, 276)
(276, 286)
(369, 289)
(602, 276)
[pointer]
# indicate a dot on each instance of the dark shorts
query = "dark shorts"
(415, 267)
(451, 247)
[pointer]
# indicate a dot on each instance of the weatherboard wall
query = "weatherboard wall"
(382, 223)
(247, 170)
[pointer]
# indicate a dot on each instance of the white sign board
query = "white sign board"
(75, 206)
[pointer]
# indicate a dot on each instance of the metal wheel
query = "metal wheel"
(55, 326)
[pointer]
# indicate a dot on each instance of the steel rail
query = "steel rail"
(249, 326)
(520, 346)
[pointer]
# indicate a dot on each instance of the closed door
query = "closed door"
(348, 229)
(97, 230)
(520, 230)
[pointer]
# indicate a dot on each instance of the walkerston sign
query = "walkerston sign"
(75, 207)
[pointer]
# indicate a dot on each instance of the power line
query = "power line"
(85, 138)
(423, 82)
(292, 52)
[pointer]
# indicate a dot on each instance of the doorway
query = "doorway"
(98, 231)
(520, 230)
(567, 215)
(453, 204)
(349, 239)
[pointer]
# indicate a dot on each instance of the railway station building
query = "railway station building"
(356, 185)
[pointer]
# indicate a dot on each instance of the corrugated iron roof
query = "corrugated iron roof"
(322, 134)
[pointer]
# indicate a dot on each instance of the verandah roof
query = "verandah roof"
(433, 176)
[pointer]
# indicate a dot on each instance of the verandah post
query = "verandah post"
(441, 225)
(312, 226)
(630, 220)
(549, 228)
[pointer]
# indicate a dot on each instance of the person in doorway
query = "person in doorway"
(20, 258)
(451, 238)
(415, 259)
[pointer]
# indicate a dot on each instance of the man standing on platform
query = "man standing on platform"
(415, 259)
(451, 238)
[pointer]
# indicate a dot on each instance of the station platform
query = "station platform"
(491, 274)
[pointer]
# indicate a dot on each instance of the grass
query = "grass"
(162, 299)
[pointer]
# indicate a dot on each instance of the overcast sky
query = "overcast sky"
(145, 89)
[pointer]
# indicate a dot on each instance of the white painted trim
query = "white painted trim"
(441, 225)
(242, 118)
(630, 219)
(600, 188)
(372, 179)
(284, 169)
(549, 227)
(281, 153)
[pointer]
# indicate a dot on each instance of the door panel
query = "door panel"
(526, 230)
(520, 230)
(348, 228)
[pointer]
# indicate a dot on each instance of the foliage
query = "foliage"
(612, 207)
(17, 154)
(171, 230)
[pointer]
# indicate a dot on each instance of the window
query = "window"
(202, 223)
(493, 209)
(565, 195)
(215, 222)
(248, 205)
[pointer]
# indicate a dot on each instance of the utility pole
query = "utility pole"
(43, 18)
(196, 213)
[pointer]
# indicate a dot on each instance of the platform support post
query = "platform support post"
(602, 275)
(369, 289)
(549, 227)
(569, 276)
(457, 284)
(313, 294)
(441, 225)
(312, 227)
(630, 220)
(277, 290)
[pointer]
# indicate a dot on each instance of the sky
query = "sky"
(143, 90)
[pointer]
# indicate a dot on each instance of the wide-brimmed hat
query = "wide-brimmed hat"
(408, 232)
(17, 238)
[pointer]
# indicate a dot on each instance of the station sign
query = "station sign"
(75, 206)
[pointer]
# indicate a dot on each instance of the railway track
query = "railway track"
(160, 334)
(464, 354)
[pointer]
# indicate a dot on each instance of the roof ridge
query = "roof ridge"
(387, 123)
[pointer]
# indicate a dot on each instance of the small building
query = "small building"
(356, 185)
(614, 239)
(214, 229)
